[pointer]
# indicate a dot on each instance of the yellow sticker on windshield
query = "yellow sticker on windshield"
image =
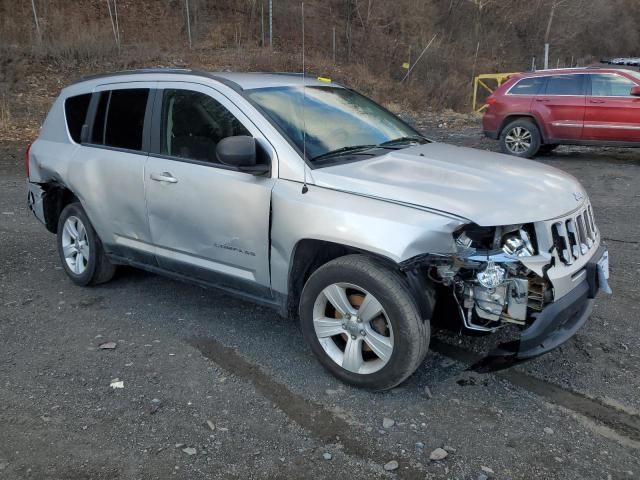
(324, 79)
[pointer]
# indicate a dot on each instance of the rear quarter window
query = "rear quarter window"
(527, 86)
(75, 110)
(607, 85)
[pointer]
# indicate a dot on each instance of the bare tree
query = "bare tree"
(114, 24)
(188, 16)
(35, 19)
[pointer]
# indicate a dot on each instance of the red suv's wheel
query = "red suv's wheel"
(520, 138)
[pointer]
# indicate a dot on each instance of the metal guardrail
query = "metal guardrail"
(481, 81)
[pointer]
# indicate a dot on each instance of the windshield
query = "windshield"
(335, 118)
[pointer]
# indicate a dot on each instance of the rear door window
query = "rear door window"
(603, 85)
(565, 85)
(527, 86)
(119, 120)
(75, 109)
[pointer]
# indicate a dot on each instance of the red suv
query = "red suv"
(537, 111)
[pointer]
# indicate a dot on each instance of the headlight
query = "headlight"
(513, 240)
(475, 236)
(518, 244)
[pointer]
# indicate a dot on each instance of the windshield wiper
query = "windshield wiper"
(343, 151)
(354, 149)
(401, 140)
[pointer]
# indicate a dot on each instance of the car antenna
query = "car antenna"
(305, 188)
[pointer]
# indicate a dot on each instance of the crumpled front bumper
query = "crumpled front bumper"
(554, 325)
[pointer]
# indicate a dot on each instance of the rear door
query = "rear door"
(612, 114)
(114, 150)
(207, 220)
(561, 107)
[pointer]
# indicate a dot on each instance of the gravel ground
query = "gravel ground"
(188, 357)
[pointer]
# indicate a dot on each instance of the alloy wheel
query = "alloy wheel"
(75, 245)
(518, 140)
(353, 328)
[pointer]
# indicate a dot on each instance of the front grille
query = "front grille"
(574, 235)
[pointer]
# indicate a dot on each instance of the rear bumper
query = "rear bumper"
(553, 326)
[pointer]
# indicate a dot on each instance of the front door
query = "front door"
(207, 221)
(612, 113)
(561, 107)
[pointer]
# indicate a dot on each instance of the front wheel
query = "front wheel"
(520, 138)
(80, 249)
(362, 324)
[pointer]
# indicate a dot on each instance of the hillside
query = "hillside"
(372, 41)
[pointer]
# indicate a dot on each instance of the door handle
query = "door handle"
(596, 101)
(542, 99)
(164, 177)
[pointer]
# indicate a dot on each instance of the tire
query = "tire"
(547, 148)
(85, 261)
(398, 323)
(520, 138)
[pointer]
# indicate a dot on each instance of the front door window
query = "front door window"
(193, 124)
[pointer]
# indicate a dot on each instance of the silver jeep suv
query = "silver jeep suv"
(303, 195)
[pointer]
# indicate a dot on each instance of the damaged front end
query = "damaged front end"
(499, 276)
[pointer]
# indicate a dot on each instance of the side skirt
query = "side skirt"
(593, 143)
(269, 299)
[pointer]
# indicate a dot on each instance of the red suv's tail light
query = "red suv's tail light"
(26, 159)
(491, 100)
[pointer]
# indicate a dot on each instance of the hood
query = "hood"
(487, 188)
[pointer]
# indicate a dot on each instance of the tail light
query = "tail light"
(26, 159)
(491, 100)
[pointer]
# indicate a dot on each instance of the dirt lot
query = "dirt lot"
(188, 356)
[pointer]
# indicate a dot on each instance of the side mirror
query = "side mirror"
(635, 91)
(240, 152)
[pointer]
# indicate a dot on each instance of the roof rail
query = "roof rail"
(133, 72)
(177, 71)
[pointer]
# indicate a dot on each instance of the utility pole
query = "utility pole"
(556, 3)
(546, 56)
(270, 23)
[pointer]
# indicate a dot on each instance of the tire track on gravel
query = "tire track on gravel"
(623, 423)
(310, 415)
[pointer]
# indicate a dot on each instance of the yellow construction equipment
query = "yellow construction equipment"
(479, 81)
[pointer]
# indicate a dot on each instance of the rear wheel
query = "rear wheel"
(80, 249)
(520, 138)
(362, 324)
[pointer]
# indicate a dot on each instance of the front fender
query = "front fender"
(394, 231)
